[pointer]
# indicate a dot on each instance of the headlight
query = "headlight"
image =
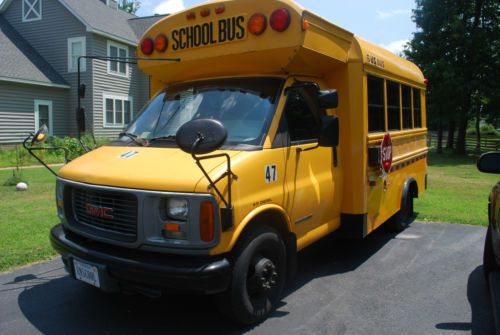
(177, 209)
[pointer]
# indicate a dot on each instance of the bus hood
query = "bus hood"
(155, 169)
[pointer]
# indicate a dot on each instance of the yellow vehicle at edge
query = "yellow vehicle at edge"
(268, 129)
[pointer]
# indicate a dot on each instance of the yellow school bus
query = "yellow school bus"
(268, 128)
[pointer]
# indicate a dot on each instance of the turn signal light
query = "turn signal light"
(280, 20)
(207, 221)
(147, 46)
(161, 43)
(257, 24)
(305, 24)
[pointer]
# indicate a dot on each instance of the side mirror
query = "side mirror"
(81, 91)
(489, 162)
(202, 136)
(41, 135)
(330, 132)
(328, 99)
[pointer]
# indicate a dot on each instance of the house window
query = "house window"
(76, 48)
(117, 111)
(32, 10)
(116, 67)
(43, 115)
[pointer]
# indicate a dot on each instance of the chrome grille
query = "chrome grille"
(107, 212)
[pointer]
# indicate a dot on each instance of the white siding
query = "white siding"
(135, 85)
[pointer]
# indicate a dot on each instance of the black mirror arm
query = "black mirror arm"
(30, 149)
(226, 213)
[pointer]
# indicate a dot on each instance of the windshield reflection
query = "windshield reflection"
(244, 105)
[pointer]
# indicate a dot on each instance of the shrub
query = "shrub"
(486, 129)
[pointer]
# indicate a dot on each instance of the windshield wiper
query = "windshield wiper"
(136, 139)
(163, 138)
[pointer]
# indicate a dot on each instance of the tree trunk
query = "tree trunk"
(478, 130)
(440, 138)
(450, 142)
(460, 147)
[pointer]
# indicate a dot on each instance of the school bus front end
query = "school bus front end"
(263, 135)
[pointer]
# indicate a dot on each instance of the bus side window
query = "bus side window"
(393, 106)
(417, 110)
(406, 97)
(376, 105)
(301, 113)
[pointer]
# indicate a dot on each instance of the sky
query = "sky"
(384, 22)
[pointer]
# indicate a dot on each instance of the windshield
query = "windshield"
(244, 105)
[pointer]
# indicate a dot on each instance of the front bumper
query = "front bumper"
(131, 269)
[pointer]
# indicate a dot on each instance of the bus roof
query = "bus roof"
(213, 39)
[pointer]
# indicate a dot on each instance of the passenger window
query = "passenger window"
(393, 106)
(406, 97)
(300, 110)
(417, 109)
(376, 110)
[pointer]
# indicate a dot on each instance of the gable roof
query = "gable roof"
(98, 18)
(141, 24)
(103, 20)
(21, 63)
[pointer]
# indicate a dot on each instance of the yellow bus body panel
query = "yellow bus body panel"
(311, 198)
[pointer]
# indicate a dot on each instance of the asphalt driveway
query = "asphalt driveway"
(427, 280)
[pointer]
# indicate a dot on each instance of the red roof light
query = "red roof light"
(205, 12)
(147, 46)
(220, 9)
(281, 19)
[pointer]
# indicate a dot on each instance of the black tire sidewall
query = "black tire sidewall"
(267, 242)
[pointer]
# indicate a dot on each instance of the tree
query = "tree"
(129, 6)
(457, 47)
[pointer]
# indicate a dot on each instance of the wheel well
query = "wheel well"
(274, 219)
(413, 188)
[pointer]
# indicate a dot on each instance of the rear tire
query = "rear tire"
(258, 277)
(402, 219)
(489, 261)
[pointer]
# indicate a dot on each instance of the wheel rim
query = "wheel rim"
(262, 277)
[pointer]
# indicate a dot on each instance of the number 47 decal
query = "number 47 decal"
(271, 172)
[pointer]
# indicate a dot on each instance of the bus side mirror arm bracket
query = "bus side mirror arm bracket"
(227, 213)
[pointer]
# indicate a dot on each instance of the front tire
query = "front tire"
(258, 277)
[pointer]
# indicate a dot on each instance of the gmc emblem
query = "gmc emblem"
(99, 212)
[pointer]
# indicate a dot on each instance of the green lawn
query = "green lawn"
(26, 218)
(457, 192)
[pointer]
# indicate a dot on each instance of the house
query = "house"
(40, 42)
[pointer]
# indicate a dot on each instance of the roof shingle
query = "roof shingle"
(20, 61)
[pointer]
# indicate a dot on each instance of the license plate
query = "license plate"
(86, 273)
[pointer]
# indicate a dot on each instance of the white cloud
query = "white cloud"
(395, 47)
(169, 7)
(386, 15)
